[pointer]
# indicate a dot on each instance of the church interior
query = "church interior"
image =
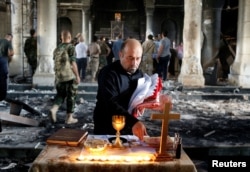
(214, 111)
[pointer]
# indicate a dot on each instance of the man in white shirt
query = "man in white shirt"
(81, 57)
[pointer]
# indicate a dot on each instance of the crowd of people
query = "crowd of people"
(102, 51)
(156, 56)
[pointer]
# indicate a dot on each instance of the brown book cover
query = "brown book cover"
(67, 136)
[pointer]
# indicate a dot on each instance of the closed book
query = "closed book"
(67, 136)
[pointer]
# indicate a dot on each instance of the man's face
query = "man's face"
(130, 57)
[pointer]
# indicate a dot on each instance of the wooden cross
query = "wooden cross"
(165, 117)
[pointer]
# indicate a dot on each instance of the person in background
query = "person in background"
(163, 56)
(94, 51)
(111, 54)
(30, 50)
(6, 54)
(179, 50)
(81, 57)
(157, 39)
(117, 47)
(116, 84)
(66, 78)
(105, 51)
(75, 40)
(148, 47)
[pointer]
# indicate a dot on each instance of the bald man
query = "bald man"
(116, 84)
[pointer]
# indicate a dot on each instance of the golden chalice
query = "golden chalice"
(118, 122)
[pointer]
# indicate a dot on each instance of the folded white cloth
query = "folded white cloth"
(147, 87)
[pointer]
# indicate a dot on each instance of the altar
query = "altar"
(136, 156)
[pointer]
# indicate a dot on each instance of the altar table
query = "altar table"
(57, 158)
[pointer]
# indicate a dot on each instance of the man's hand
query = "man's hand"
(139, 130)
(10, 55)
(78, 79)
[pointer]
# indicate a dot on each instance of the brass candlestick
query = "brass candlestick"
(118, 122)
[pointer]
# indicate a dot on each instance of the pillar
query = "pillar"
(90, 30)
(28, 16)
(191, 70)
(16, 65)
(240, 69)
(149, 9)
(211, 27)
(149, 15)
(46, 37)
(85, 24)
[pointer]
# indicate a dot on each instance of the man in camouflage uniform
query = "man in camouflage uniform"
(94, 52)
(148, 48)
(30, 50)
(66, 81)
(105, 50)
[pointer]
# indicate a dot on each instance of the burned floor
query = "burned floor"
(214, 121)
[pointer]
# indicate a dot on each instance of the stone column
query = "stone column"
(191, 70)
(149, 9)
(149, 15)
(85, 24)
(211, 27)
(90, 30)
(46, 37)
(16, 65)
(240, 69)
(28, 16)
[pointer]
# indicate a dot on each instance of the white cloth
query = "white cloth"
(81, 50)
(145, 88)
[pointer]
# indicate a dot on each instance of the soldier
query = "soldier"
(148, 48)
(105, 50)
(30, 50)
(94, 52)
(66, 78)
